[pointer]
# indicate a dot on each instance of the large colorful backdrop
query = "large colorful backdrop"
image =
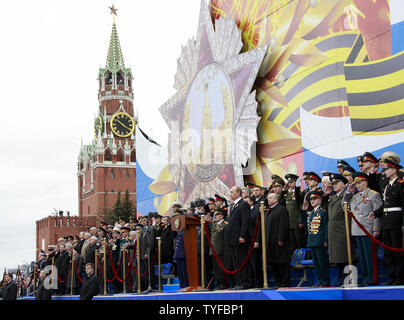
(331, 85)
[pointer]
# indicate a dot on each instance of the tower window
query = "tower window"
(112, 174)
(107, 155)
(133, 156)
(119, 78)
(127, 174)
(119, 155)
(108, 78)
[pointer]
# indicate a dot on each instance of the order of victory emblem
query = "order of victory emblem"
(212, 117)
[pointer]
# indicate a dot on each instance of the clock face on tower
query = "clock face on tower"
(98, 126)
(122, 124)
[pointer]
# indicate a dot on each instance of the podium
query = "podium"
(188, 226)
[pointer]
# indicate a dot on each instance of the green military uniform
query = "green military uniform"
(217, 231)
(293, 205)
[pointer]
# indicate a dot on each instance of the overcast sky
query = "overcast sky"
(50, 55)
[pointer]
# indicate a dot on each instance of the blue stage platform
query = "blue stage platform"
(307, 293)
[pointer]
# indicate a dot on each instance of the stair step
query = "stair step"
(171, 287)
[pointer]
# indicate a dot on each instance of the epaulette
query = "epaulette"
(226, 222)
(400, 180)
(373, 191)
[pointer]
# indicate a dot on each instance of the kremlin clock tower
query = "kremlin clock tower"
(107, 165)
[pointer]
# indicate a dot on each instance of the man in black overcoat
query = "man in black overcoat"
(277, 240)
(90, 286)
(43, 292)
(9, 291)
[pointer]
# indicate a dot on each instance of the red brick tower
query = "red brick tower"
(108, 164)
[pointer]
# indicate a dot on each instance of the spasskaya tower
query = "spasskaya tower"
(108, 164)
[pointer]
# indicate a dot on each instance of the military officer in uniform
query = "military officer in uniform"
(395, 158)
(317, 237)
(291, 196)
(336, 226)
(360, 163)
(392, 222)
(312, 180)
(370, 167)
(348, 172)
(277, 185)
(258, 194)
(221, 203)
(362, 204)
(122, 256)
(217, 230)
(340, 166)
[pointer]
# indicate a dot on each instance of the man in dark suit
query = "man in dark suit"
(9, 291)
(237, 238)
(255, 259)
(90, 285)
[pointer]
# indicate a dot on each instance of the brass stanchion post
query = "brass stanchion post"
(18, 281)
(159, 260)
(105, 267)
(124, 268)
(96, 263)
(34, 279)
(348, 242)
(72, 276)
(139, 290)
(264, 249)
(51, 280)
(203, 251)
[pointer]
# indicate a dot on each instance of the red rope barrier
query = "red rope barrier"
(77, 272)
(147, 271)
(115, 270)
(22, 281)
(375, 265)
(67, 276)
(373, 238)
(250, 250)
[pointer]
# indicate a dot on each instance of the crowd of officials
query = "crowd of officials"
(296, 216)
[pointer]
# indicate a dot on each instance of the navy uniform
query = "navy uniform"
(361, 205)
(391, 156)
(317, 239)
(217, 231)
(392, 222)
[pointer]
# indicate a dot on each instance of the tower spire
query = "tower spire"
(114, 57)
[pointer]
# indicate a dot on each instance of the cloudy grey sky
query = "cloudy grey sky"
(51, 52)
